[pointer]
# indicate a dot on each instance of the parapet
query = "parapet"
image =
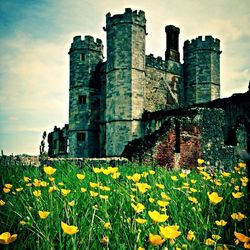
(128, 16)
(209, 43)
(87, 43)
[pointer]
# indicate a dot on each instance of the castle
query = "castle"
(107, 99)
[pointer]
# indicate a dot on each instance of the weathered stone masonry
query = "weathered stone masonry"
(109, 100)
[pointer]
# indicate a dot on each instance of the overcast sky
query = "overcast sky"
(36, 36)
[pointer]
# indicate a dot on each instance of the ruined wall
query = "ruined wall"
(163, 86)
(184, 137)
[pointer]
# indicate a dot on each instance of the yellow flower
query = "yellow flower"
(51, 178)
(192, 199)
(6, 238)
(49, 170)
(65, 192)
(26, 178)
(8, 185)
(2, 203)
(116, 175)
(161, 186)
(221, 223)
(105, 240)
(94, 185)
(22, 222)
(151, 200)
(105, 197)
(136, 177)
(244, 181)
(216, 237)
(193, 181)
(93, 194)
(182, 175)
(200, 161)
(19, 189)
(209, 242)
(218, 183)
(83, 190)
(163, 203)
(242, 238)
(237, 195)
(152, 172)
(138, 208)
(164, 196)
(72, 203)
(140, 221)
(80, 176)
(37, 193)
(174, 178)
(170, 232)
(36, 183)
(237, 188)
(141, 248)
(67, 229)
(61, 183)
(143, 187)
(106, 225)
(200, 168)
(43, 214)
(190, 235)
(97, 170)
(238, 216)
(157, 217)
(214, 198)
(242, 165)
(156, 240)
(246, 245)
(43, 183)
(28, 184)
(53, 188)
(6, 190)
(222, 247)
(225, 174)
(193, 190)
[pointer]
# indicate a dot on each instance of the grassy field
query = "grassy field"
(123, 207)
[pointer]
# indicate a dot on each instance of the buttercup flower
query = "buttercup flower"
(214, 198)
(6, 190)
(8, 185)
(221, 223)
(242, 238)
(2, 203)
(200, 161)
(106, 225)
(161, 186)
(138, 208)
(156, 240)
(238, 216)
(43, 214)
(174, 178)
(162, 203)
(72, 203)
(216, 237)
(65, 192)
(190, 235)
(140, 221)
(67, 229)
(192, 199)
(49, 170)
(6, 238)
(164, 196)
(93, 194)
(237, 195)
(83, 190)
(105, 240)
(80, 176)
(170, 232)
(157, 217)
(209, 241)
(26, 178)
(37, 193)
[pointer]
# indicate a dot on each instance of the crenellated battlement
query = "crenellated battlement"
(209, 43)
(128, 16)
(88, 43)
(156, 62)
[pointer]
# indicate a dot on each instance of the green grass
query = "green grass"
(90, 213)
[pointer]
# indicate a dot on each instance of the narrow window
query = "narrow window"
(80, 137)
(82, 57)
(177, 136)
(82, 99)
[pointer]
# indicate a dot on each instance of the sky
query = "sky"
(36, 37)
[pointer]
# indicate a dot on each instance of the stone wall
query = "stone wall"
(201, 70)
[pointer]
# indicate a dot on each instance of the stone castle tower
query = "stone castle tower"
(107, 99)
